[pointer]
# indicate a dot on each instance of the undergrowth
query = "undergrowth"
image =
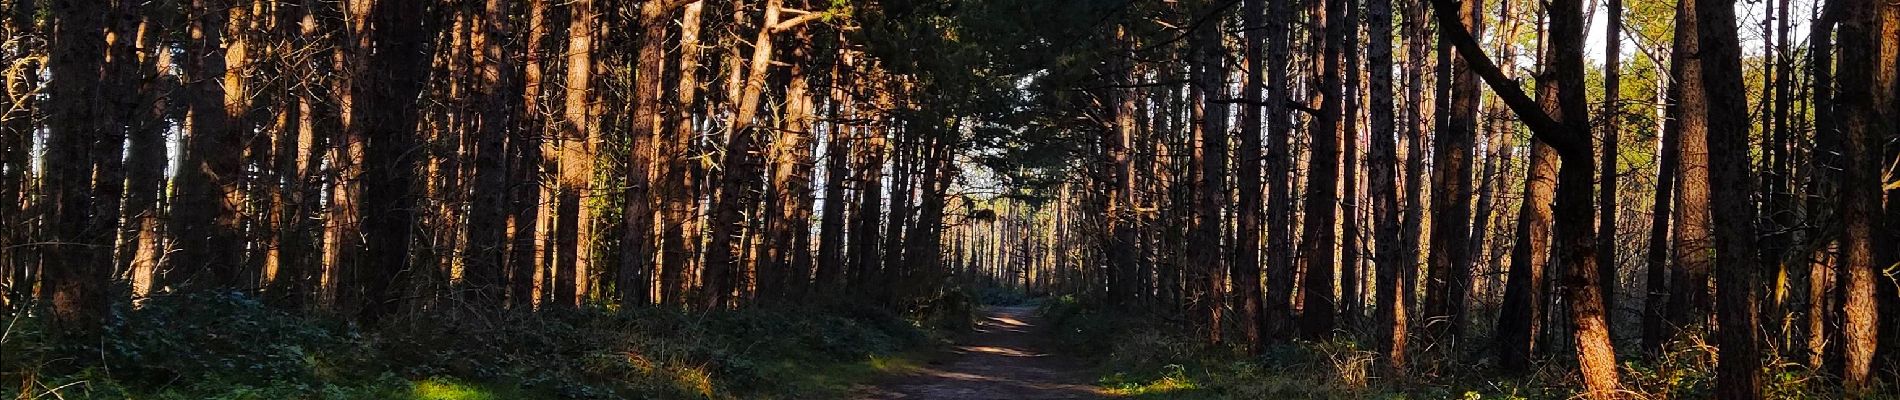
(233, 347)
(1149, 357)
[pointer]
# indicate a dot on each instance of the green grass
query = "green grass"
(233, 347)
(1148, 358)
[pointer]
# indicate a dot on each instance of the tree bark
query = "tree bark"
(1279, 160)
(1738, 357)
(1612, 118)
(1322, 184)
(77, 281)
(1207, 48)
(1518, 323)
(391, 49)
(1567, 132)
(1451, 196)
(497, 96)
(673, 193)
(1689, 294)
(207, 216)
(1247, 219)
(1382, 168)
(1866, 81)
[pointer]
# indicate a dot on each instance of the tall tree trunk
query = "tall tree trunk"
(1382, 168)
(1689, 294)
(831, 261)
(1247, 230)
(146, 158)
(77, 282)
(1567, 133)
(1656, 261)
(742, 168)
(1866, 83)
(1205, 42)
(1349, 243)
(207, 213)
(391, 48)
(1117, 146)
(1451, 193)
(524, 167)
(497, 95)
(575, 151)
(1518, 323)
(1418, 32)
(1738, 357)
(673, 193)
(1322, 184)
(1612, 118)
(637, 239)
(790, 204)
(1279, 160)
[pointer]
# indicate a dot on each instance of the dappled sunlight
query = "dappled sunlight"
(1001, 351)
(439, 389)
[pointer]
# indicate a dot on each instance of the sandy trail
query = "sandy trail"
(1005, 357)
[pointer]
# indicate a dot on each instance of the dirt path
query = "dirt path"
(1005, 357)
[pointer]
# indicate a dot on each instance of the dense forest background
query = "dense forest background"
(1690, 198)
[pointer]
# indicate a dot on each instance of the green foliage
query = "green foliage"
(227, 346)
(1000, 296)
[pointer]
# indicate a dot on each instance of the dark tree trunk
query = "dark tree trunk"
(497, 96)
(1738, 373)
(1382, 168)
(1612, 118)
(391, 46)
(1211, 78)
(207, 217)
(77, 282)
(1451, 195)
(1322, 187)
(1246, 268)
(1279, 160)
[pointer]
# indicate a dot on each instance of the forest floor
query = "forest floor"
(1006, 356)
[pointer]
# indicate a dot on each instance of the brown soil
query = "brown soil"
(1005, 357)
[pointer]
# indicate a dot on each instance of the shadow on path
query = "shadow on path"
(1002, 358)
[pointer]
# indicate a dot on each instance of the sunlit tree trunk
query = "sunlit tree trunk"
(575, 150)
(1689, 291)
(742, 167)
(1519, 322)
(145, 157)
(1866, 76)
(674, 166)
(1567, 132)
(525, 161)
